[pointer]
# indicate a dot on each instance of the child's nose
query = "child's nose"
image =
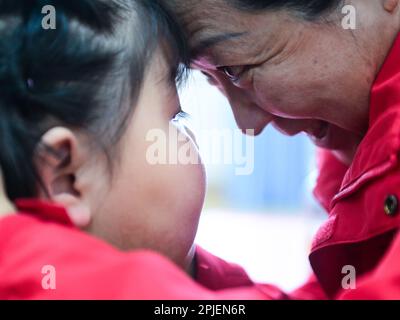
(192, 136)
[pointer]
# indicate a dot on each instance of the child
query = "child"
(76, 105)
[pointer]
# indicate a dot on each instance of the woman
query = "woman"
(73, 156)
(296, 65)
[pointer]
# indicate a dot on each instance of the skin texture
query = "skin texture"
(6, 207)
(136, 205)
(299, 76)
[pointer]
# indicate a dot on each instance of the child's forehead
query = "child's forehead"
(160, 65)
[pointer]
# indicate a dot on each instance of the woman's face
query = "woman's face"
(299, 76)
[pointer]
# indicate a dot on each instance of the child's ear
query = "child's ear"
(60, 158)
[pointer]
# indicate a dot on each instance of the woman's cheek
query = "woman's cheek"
(275, 93)
(267, 94)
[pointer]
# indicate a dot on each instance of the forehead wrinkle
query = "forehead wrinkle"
(214, 40)
(201, 19)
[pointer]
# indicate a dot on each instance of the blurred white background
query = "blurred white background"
(263, 221)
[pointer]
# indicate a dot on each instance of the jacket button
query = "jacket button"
(391, 205)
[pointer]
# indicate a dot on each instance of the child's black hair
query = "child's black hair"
(76, 75)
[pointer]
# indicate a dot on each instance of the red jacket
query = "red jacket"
(364, 217)
(41, 235)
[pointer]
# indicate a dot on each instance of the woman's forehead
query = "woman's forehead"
(208, 41)
(206, 16)
(207, 23)
(217, 31)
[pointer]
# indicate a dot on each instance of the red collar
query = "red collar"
(378, 152)
(385, 92)
(44, 210)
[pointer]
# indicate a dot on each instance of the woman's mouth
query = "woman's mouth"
(318, 131)
(319, 134)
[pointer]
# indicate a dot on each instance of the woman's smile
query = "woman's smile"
(320, 134)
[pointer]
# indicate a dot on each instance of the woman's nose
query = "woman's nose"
(248, 115)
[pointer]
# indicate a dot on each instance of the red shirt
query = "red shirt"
(41, 234)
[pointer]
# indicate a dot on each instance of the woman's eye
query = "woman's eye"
(233, 73)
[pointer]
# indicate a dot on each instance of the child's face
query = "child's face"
(6, 207)
(146, 205)
(139, 205)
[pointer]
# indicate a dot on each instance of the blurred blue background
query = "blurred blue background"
(282, 165)
(264, 221)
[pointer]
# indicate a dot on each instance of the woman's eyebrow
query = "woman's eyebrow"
(211, 41)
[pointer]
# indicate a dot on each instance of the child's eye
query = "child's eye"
(181, 115)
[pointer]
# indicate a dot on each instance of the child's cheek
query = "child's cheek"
(183, 190)
(169, 191)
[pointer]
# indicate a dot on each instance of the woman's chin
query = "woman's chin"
(342, 143)
(322, 137)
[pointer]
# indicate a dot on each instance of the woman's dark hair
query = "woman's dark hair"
(306, 9)
(309, 9)
(77, 75)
